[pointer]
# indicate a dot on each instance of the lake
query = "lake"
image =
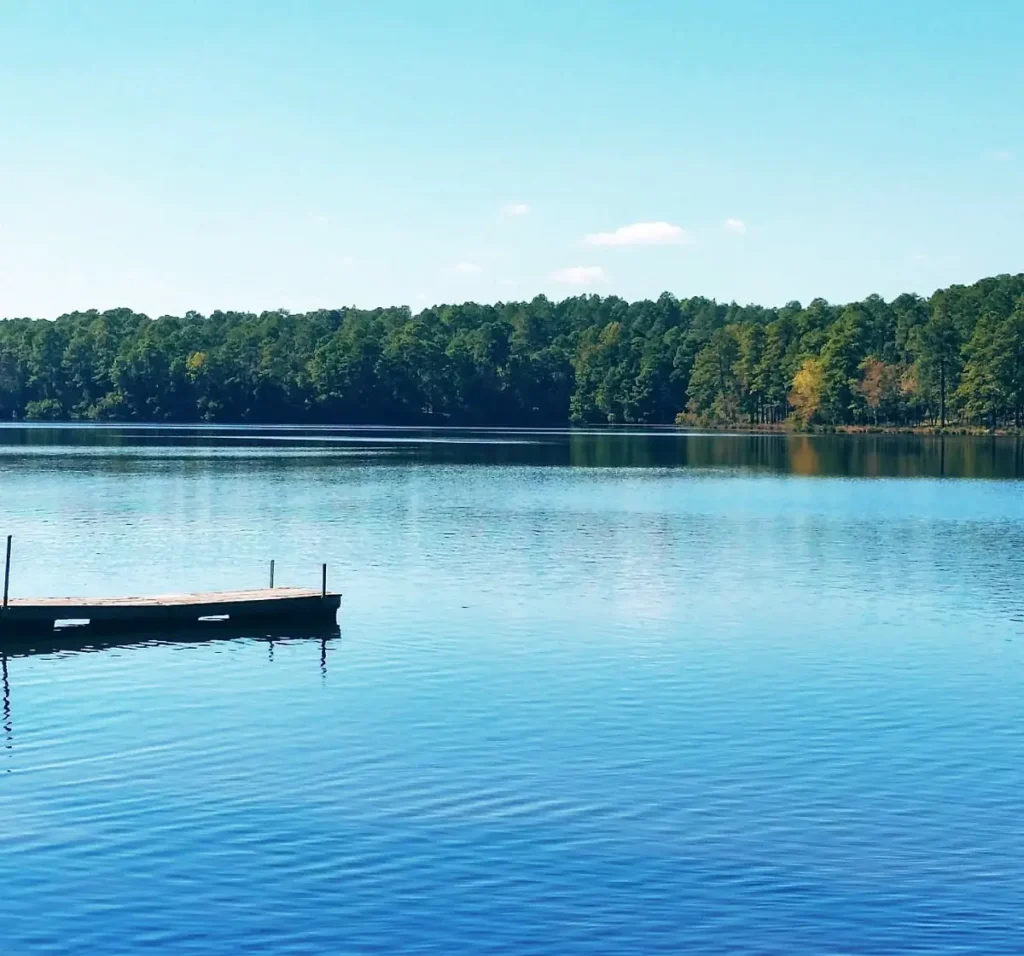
(592, 692)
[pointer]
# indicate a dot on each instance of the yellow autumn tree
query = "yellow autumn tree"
(194, 364)
(805, 396)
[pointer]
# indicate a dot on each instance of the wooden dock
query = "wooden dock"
(263, 606)
(276, 606)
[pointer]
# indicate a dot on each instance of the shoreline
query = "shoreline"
(933, 431)
(689, 427)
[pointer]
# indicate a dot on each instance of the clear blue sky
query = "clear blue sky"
(250, 154)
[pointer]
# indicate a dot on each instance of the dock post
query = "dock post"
(271, 574)
(7, 570)
(323, 585)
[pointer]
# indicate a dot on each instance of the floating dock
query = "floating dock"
(292, 607)
(162, 612)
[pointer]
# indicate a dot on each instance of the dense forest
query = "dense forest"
(956, 357)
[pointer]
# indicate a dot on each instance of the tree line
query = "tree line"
(957, 356)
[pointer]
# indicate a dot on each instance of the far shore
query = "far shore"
(692, 426)
(792, 428)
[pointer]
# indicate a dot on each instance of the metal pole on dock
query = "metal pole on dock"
(323, 586)
(271, 574)
(7, 569)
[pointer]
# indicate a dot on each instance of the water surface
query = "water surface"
(592, 692)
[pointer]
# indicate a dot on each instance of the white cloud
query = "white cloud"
(346, 261)
(641, 234)
(736, 226)
(515, 209)
(467, 269)
(1000, 155)
(507, 282)
(580, 275)
(919, 257)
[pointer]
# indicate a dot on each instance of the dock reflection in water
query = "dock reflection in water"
(8, 729)
(69, 640)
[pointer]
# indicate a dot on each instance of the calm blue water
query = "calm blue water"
(591, 694)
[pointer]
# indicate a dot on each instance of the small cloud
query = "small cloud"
(507, 282)
(580, 275)
(512, 209)
(346, 261)
(467, 269)
(641, 234)
(736, 227)
(919, 257)
(999, 155)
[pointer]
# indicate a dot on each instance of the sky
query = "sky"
(249, 154)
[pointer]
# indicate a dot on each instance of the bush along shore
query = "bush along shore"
(952, 360)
